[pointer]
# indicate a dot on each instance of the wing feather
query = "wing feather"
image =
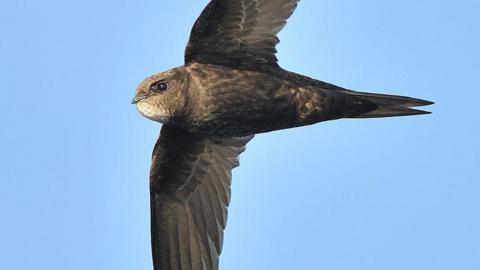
(190, 192)
(238, 32)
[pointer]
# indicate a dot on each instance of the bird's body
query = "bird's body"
(230, 88)
(219, 100)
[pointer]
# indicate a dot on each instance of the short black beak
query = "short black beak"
(139, 97)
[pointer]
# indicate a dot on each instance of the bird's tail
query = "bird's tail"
(381, 105)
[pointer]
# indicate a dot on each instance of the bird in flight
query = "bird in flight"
(230, 88)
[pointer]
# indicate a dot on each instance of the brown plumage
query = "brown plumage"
(230, 88)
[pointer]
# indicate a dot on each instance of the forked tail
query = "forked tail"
(381, 105)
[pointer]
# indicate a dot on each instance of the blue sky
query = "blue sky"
(392, 194)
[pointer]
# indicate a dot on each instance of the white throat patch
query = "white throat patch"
(155, 113)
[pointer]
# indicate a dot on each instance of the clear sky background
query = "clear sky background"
(377, 194)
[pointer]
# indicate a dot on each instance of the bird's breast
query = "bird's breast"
(238, 102)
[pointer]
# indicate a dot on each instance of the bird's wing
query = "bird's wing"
(238, 32)
(189, 193)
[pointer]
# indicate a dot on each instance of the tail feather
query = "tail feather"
(391, 111)
(388, 105)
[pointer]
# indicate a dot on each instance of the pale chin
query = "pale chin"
(152, 112)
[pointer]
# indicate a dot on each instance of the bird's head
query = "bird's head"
(158, 96)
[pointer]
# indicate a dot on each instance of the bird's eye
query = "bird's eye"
(159, 86)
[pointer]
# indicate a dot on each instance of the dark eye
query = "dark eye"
(159, 86)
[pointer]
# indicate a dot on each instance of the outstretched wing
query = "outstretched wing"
(189, 193)
(238, 32)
